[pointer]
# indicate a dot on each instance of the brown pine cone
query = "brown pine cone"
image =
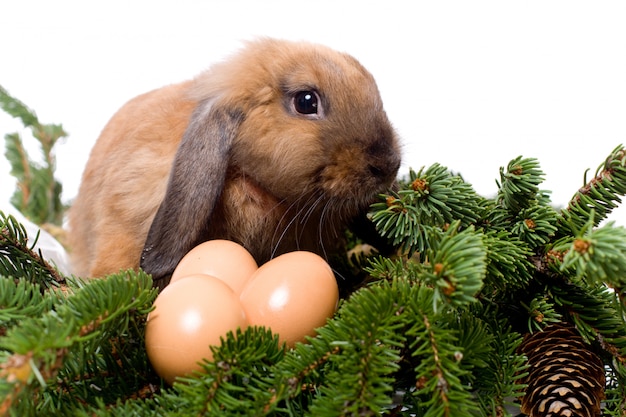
(565, 377)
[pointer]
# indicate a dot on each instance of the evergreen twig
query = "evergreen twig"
(38, 193)
(601, 194)
(45, 356)
(19, 259)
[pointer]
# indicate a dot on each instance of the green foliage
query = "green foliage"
(433, 331)
(429, 200)
(596, 311)
(543, 265)
(615, 391)
(601, 194)
(519, 184)
(90, 332)
(20, 299)
(458, 264)
(38, 193)
(541, 312)
(597, 255)
(508, 262)
(496, 382)
(18, 257)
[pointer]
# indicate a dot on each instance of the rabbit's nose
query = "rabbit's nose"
(384, 161)
(384, 174)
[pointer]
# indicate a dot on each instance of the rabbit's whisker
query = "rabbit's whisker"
(320, 227)
(286, 228)
(312, 207)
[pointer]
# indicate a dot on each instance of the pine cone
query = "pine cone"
(565, 377)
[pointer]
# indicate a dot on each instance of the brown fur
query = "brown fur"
(225, 156)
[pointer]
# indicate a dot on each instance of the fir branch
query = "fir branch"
(66, 350)
(16, 108)
(523, 209)
(473, 338)
(382, 268)
(601, 195)
(535, 225)
(38, 193)
(399, 221)
(519, 184)
(20, 299)
(596, 314)
(615, 401)
(489, 341)
(19, 259)
(20, 168)
(297, 378)
(236, 378)
(508, 264)
(430, 199)
(358, 378)
(597, 255)
(500, 382)
(438, 372)
(445, 196)
(541, 313)
(457, 265)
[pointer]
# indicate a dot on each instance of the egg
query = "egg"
(189, 316)
(223, 259)
(292, 294)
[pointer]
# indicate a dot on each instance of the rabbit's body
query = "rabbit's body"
(277, 149)
(121, 191)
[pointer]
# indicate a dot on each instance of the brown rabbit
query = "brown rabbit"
(277, 148)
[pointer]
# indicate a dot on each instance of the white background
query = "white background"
(468, 84)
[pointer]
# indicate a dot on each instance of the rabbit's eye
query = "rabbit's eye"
(306, 102)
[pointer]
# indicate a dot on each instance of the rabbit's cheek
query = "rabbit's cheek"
(255, 194)
(344, 174)
(242, 189)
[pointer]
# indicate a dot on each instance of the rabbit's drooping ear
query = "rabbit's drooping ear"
(195, 184)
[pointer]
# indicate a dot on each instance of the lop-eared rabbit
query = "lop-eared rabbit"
(278, 148)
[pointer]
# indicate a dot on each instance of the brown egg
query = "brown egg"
(190, 315)
(223, 259)
(292, 295)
